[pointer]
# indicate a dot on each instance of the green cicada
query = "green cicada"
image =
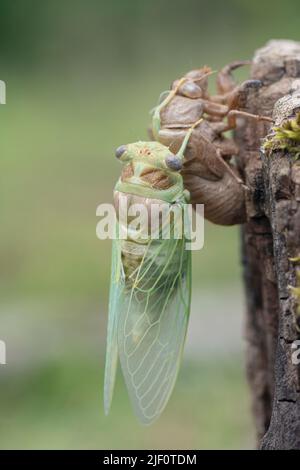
(150, 281)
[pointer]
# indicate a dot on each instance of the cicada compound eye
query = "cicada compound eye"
(191, 90)
(120, 151)
(173, 162)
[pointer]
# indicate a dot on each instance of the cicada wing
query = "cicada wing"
(152, 326)
(116, 288)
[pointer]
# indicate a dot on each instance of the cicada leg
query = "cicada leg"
(235, 113)
(225, 80)
(228, 168)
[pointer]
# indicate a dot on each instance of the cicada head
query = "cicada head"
(195, 84)
(149, 153)
(150, 164)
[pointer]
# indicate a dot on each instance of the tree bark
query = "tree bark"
(269, 238)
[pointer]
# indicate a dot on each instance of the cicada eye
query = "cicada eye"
(191, 90)
(120, 150)
(173, 162)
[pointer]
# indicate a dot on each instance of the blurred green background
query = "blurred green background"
(81, 77)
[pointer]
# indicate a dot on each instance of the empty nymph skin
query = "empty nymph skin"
(209, 170)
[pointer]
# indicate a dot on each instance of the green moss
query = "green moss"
(285, 137)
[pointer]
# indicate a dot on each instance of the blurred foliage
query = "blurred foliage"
(57, 406)
(125, 34)
(81, 78)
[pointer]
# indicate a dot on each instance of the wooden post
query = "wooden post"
(269, 238)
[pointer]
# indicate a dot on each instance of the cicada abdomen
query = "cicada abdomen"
(151, 279)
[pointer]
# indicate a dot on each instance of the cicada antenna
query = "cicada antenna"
(211, 72)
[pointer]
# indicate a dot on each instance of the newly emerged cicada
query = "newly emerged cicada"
(150, 280)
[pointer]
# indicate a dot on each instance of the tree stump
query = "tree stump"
(270, 237)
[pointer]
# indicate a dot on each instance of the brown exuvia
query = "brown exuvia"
(210, 171)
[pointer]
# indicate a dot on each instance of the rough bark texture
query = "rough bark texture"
(269, 239)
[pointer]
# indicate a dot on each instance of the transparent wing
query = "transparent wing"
(152, 324)
(115, 297)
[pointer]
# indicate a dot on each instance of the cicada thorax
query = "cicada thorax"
(153, 236)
